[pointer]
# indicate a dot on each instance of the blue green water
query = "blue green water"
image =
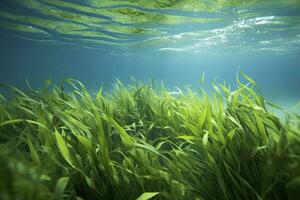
(174, 41)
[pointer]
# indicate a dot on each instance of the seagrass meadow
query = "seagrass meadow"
(104, 100)
(142, 141)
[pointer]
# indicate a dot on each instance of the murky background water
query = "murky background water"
(170, 40)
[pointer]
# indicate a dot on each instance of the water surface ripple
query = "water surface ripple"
(195, 26)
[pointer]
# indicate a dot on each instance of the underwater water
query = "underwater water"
(170, 41)
(140, 99)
